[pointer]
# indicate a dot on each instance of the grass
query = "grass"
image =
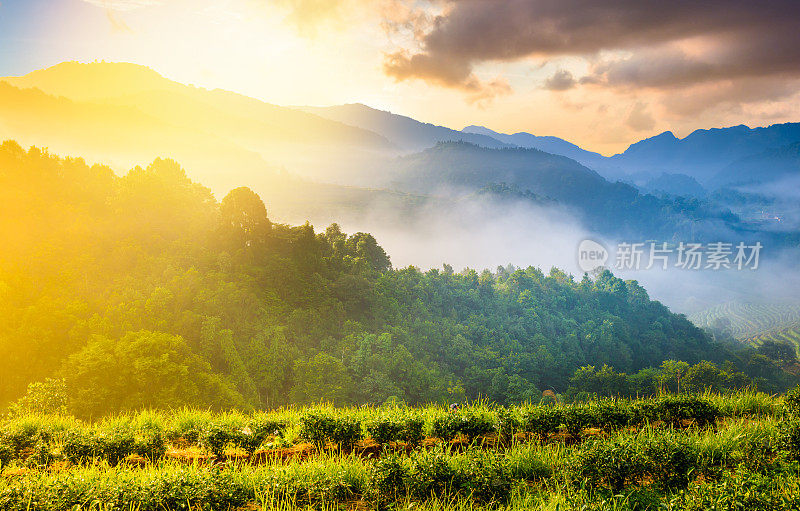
(738, 460)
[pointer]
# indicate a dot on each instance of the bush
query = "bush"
(80, 446)
(791, 401)
(671, 461)
(151, 445)
(542, 420)
(6, 454)
(612, 415)
(675, 410)
(508, 424)
(790, 438)
(487, 478)
(215, 439)
(577, 418)
(115, 445)
(526, 466)
(472, 425)
(385, 430)
(412, 431)
(388, 477)
(432, 475)
(320, 428)
(611, 465)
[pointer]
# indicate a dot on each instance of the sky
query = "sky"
(600, 73)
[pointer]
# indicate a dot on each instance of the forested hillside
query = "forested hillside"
(144, 290)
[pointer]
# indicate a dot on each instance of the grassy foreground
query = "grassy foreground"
(673, 452)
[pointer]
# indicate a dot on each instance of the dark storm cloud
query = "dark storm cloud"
(736, 38)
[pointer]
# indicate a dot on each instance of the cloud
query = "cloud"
(660, 45)
(640, 118)
(560, 80)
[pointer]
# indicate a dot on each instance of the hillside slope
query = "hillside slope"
(113, 281)
(407, 133)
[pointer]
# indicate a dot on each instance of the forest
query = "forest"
(145, 291)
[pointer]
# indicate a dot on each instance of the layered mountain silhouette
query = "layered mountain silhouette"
(407, 133)
(344, 158)
(547, 144)
(705, 153)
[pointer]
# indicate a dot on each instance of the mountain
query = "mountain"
(405, 132)
(119, 135)
(464, 166)
(617, 208)
(704, 153)
(674, 184)
(547, 144)
(143, 88)
(763, 168)
(282, 137)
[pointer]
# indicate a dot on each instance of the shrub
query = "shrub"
(508, 424)
(6, 454)
(446, 427)
(542, 420)
(257, 430)
(215, 438)
(487, 478)
(674, 410)
(115, 445)
(319, 428)
(151, 445)
(385, 430)
(412, 431)
(387, 478)
(577, 418)
(791, 401)
(671, 461)
(790, 438)
(608, 464)
(612, 415)
(526, 466)
(432, 475)
(80, 446)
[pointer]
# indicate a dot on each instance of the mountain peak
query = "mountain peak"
(88, 81)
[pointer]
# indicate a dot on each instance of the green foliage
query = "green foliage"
(143, 290)
(675, 410)
(47, 397)
(543, 420)
(215, 438)
(388, 478)
(322, 427)
(671, 461)
(462, 422)
(612, 465)
(792, 400)
(577, 418)
(396, 427)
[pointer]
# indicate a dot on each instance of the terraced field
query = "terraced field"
(789, 335)
(748, 321)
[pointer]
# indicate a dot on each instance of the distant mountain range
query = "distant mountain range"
(407, 133)
(345, 157)
(695, 165)
(547, 144)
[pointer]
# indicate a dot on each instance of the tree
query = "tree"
(322, 378)
(244, 218)
(143, 370)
